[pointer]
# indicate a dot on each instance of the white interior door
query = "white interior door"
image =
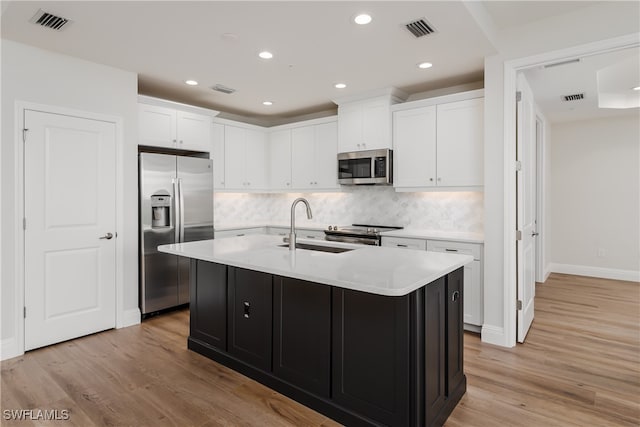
(69, 189)
(525, 216)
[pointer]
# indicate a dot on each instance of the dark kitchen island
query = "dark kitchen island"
(369, 336)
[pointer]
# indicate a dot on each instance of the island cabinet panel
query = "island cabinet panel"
(250, 316)
(435, 354)
(302, 334)
(208, 306)
(455, 335)
(371, 355)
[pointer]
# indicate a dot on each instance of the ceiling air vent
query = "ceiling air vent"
(574, 97)
(223, 89)
(420, 28)
(48, 20)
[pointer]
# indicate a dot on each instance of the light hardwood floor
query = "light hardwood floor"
(580, 366)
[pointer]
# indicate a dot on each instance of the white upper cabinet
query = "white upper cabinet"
(314, 157)
(217, 155)
(280, 159)
(460, 143)
(245, 159)
(414, 147)
(365, 123)
(172, 125)
(439, 145)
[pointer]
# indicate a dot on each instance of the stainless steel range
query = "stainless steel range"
(357, 233)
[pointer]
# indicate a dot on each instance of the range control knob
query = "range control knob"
(330, 228)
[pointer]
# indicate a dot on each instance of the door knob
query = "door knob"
(107, 236)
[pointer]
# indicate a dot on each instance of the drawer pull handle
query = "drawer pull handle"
(451, 250)
(240, 235)
(402, 246)
(247, 309)
(455, 296)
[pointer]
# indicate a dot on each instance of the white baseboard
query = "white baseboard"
(600, 272)
(494, 335)
(9, 349)
(129, 318)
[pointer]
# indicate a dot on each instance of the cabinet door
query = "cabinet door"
(256, 160)
(376, 125)
(473, 299)
(369, 374)
(280, 160)
(193, 131)
(208, 294)
(249, 316)
(414, 147)
(460, 128)
(303, 157)
(156, 126)
(435, 346)
(350, 127)
(234, 158)
(217, 155)
(326, 156)
(302, 334)
(455, 344)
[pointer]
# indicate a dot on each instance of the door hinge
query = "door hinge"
(24, 134)
(518, 165)
(519, 305)
(518, 235)
(24, 223)
(24, 312)
(518, 96)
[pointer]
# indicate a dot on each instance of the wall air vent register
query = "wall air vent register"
(48, 20)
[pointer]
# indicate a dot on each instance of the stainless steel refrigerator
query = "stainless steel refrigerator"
(176, 205)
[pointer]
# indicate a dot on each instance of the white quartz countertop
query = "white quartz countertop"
(373, 269)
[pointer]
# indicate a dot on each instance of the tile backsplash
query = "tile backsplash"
(378, 205)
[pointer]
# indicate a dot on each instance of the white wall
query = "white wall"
(38, 76)
(595, 196)
(446, 211)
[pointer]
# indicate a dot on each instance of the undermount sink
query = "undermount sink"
(320, 248)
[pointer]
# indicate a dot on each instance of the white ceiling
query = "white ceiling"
(315, 45)
(549, 85)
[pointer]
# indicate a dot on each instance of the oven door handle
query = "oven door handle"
(350, 239)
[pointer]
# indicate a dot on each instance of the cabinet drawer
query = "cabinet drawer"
(402, 242)
(239, 232)
(455, 247)
(309, 234)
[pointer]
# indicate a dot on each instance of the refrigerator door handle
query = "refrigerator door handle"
(181, 211)
(176, 210)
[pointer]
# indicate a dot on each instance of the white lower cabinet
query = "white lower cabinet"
(473, 282)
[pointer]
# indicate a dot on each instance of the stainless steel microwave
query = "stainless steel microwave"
(366, 167)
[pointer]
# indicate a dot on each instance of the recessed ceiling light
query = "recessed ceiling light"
(340, 85)
(636, 88)
(267, 103)
(425, 65)
(265, 55)
(191, 82)
(362, 19)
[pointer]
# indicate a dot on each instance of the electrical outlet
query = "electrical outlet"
(601, 253)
